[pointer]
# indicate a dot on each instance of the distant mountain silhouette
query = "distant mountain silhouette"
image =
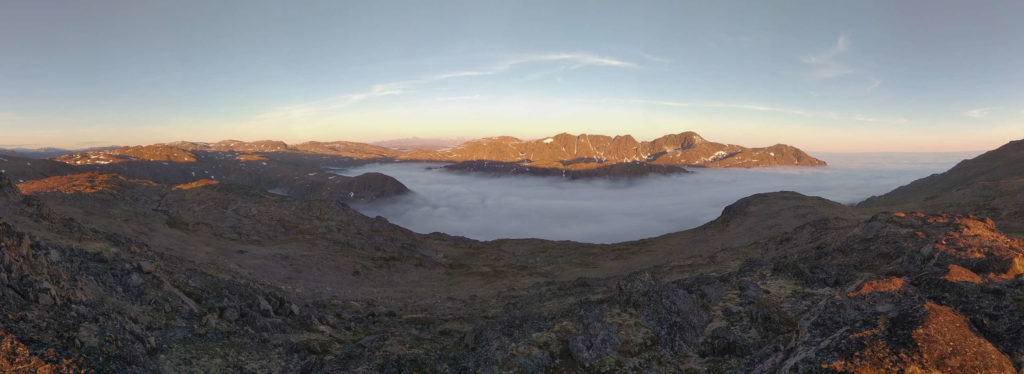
(430, 144)
(50, 151)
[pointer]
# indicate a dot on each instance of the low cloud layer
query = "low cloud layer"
(602, 211)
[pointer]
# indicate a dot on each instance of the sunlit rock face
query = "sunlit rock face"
(588, 151)
(157, 152)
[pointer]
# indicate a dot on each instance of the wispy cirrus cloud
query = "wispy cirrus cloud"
(754, 107)
(826, 64)
(658, 59)
(980, 112)
(576, 59)
(873, 83)
(332, 103)
(568, 60)
(776, 109)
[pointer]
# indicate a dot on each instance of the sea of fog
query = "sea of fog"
(604, 211)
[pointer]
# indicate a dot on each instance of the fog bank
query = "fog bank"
(604, 211)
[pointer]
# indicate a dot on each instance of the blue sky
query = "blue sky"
(830, 76)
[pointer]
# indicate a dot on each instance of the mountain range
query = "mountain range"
(138, 266)
(560, 151)
(589, 151)
(582, 156)
(46, 152)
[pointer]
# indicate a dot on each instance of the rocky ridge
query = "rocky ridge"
(574, 152)
(990, 185)
(298, 175)
(562, 152)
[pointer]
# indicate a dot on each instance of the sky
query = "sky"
(820, 75)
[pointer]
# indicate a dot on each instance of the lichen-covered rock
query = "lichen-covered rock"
(595, 340)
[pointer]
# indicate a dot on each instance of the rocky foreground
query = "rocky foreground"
(109, 272)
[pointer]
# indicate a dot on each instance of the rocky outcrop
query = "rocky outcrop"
(8, 191)
(157, 152)
(196, 184)
(16, 358)
(90, 182)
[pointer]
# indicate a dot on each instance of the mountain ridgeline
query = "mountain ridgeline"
(562, 151)
(588, 151)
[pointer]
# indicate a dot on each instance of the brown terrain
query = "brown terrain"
(583, 156)
(582, 152)
(267, 165)
(686, 148)
(137, 266)
(991, 185)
